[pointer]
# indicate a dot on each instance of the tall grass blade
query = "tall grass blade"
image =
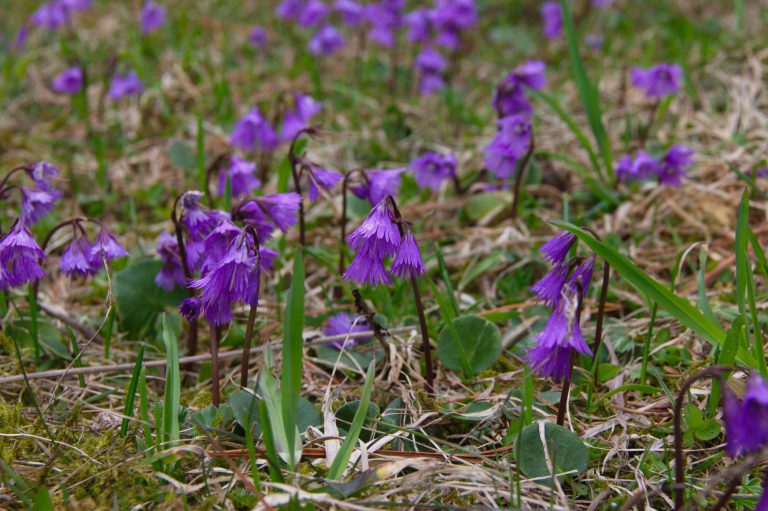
(293, 351)
(172, 397)
(345, 451)
(129, 399)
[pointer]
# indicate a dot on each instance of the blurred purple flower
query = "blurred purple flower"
(450, 18)
(152, 16)
(512, 141)
(36, 203)
(242, 177)
(191, 308)
(431, 169)
(321, 179)
(297, 118)
(351, 12)
(594, 41)
(552, 15)
(326, 41)
(19, 256)
(509, 97)
(254, 133)
(746, 421)
(69, 81)
(642, 167)
(172, 273)
(418, 25)
(105, 248)
(42, 173)
(314, 12)
(51, 15)
(658, 81)
(379, 184)
(385, 17)
(344, 324)
(123, 86)
(76, 259)
(258, 37)
(290, 9)
(430, 64)
(674, 165)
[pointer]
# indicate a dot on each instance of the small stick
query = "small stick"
(247, 348)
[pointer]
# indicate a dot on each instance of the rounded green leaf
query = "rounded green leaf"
(469, 344)
(565, 451)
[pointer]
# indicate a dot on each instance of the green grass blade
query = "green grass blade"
(587, 90)
(202, 177)
(172, 398)
(345, 451)
(269, 442)
(727, 356)
(129, 399)
(293, 351)
(109, 326)
(43, 500)
(444, 275)
(761, 260)
(678, 307)
(701, 284)
(597, 187)
(76, 355)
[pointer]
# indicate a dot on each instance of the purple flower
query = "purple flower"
(242, 177)
(36, 203)
(552, 15)
(351, 12)
(290, 9)
(512, 140)
(152, 16)
(321, 179)
(430, 65)
(19, 255)
(198, 219)
(326, 41)
(450, 18)
(42, 173)
(674, 165)
(365, 269)
(106, 248)
(254, 133)
(384, 17)
(258, 37)
(418, 25)
(297, 118)
(76, 258)
(172, 273)
(313, 13)
(215, 245)
(762, 172)
(379, 184)
(234, 279)
(344, 324)
(509, 98)
(746, 421)
(77, 5)
(52, 15)
(643, 166)
(594, 41)
(556, 250)
(431, 169)
(658, 81)
(69, 81)
(582, 276)
(191, 308)
(270, 211)
(378, 235)
(408, 262)
(549, 288)
(123, 86)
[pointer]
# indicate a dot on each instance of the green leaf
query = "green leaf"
(345, 451)
(470, 344)
(245, 408)
(453, 311)
(678, 307)
(43, 500)
(139, 300)
(346, 416)
(129, 399)
(292, 364)
(172, 397)
(565, 451)
(183, 155)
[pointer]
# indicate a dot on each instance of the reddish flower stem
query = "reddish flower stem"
(192, 333)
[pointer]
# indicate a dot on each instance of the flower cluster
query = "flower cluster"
(253, 132)
(242, 177)
(657, 81)
(152, 17)
(563, 289)
(39, 199)
(83, 258)
(379, 237)
(344, 324)
(431, 169)
(316, 15)
(20, 258)
(57, 13)
(670, 170)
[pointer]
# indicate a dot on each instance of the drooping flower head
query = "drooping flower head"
(378, 184)
(344, 324)
(297, 116)
(512, 141)
(552, 15)
(69, 81)
(172, 273)
(326, 41)
(254, 133)
(19, 256)
(105, 248)
(123, 86)
(321, 179)
(746, 421)
(242, 177)
(408, 262)
(378, 236)
(76, 259)
(556, 250)
(36, 203)
(658, 81)
(509, 98)
(268, 212)
(152, 16)
(674, 165)
(430, 64)
(431, 169)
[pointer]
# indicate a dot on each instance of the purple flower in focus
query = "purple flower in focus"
(105, 248)
(344, 324)
(512, 140)
(69, 81)
(351, 12)
(549, 288)
(123, 86)
(242, 177)
(378, 236)
(326, 41)
(365, 269)
(430, 64)
(297, 118)
(321, 179)
(234, 279)
(431, 169)
(254, 133)
(552, 15)
(198, 219)
(379, 184)
(556, 250)
(76, 259)
(658, 81)
(270, 211)
(258, 37)
(172, 273)
(152, 16)
(36, 203)
(191, 308)
(408, 262)
(19, 255)
(674, 165)
(313, 13)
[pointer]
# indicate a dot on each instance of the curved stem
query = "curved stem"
(294, 161)
(343, 222)
(192, 333)
(8, 176)
(252, 313)
(601, 312)
(519, 177)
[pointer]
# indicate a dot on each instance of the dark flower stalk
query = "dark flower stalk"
(343, 219)
(215, 391)
(247, 341)
(563, 406)
(519, 177)
(192, 333)
(294, 161)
